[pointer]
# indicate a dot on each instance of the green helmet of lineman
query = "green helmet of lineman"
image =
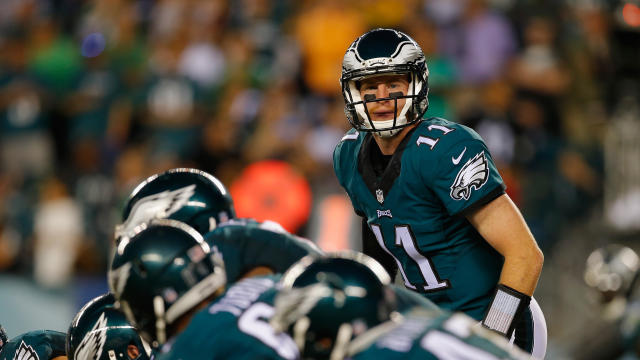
(163, 272)
(191, 196)
(326, 302)
(100, 332)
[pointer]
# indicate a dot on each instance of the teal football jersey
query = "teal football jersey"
(234, 326)
(433, 335)
(416, 208)
(246, 244)
(35, 345)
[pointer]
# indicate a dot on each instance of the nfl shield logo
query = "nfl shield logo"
(379, 196)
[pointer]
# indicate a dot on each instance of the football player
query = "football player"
(35, 345)
(100, 332)
(433, 204)
(341, 307)
(166, 273)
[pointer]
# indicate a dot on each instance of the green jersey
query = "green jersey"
(234, 326)
(246, 244)
(428, 335)
(415, 208)
(35, 345)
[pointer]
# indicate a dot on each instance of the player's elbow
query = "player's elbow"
(536, 259)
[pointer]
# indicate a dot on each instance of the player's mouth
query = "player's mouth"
(382, 115)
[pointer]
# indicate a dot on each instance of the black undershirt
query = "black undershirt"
(379, 160)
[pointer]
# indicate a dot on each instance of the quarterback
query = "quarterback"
(433, 204)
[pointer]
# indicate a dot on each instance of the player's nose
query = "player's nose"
(382, 91)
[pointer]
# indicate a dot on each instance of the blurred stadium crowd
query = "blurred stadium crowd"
(97, 95)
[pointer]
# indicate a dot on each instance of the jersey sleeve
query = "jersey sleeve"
(466, 176)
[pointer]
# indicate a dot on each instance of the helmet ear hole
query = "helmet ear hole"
(140, 268)
(132, 351)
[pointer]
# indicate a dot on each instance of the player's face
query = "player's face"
(384, 86)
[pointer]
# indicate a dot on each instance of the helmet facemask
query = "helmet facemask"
(413, 109)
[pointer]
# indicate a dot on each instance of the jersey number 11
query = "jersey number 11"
(404, 239)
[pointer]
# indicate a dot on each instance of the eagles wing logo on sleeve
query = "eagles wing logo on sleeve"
(156, 206)
(25, 352)
(91, 346)
(473, 174)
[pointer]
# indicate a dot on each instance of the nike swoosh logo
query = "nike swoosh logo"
(456, 161)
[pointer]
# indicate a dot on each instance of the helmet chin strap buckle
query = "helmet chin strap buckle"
(387, 133)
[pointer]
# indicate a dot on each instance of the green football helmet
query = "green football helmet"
(384, 52)
(189, 195)
(326, 302)
(162, 272)
(101, 332)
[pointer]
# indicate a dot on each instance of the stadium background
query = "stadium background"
(97, 95)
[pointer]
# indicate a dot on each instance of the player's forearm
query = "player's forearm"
(503, 227)
(521, 271)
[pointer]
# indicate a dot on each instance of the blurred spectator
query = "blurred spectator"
(58, 233)
(202, 60)
(387, 13)
(54, 59)
(324, 29)
(537, 68)
(26, 147)
(278, 126)
(537, 72)
(89, 105)
(319, 166)
(171, 103)
(481, 41)
(443, 73)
